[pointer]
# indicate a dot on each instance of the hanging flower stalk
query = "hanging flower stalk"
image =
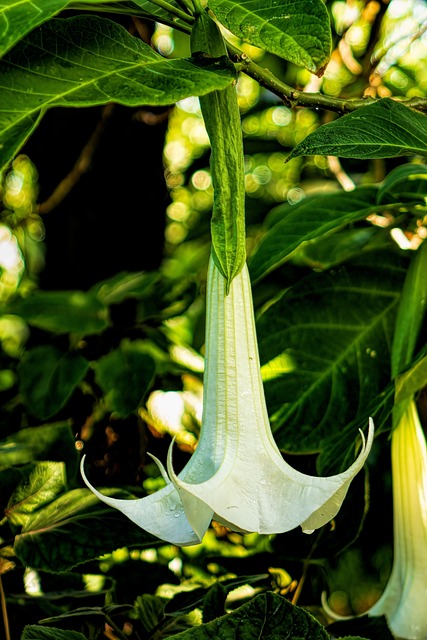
(404, 599)
(237, 474)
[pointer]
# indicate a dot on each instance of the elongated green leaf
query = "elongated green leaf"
(309, 219)
(384, 129)
(296, 31)
(62, 311)
(86, 61)
(36, 632)
(125, 375)
(325, 349)
(404, 182)
(41, 485)
(47, 378)
(74, 528)
(267, 616)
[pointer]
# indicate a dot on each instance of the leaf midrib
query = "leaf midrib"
(328, 372)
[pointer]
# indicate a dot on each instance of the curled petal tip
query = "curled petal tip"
(161, 513)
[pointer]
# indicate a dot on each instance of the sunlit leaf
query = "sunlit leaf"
(328, 339)
(42, 483)
(296, 31)
(47, 378)
(311, 218)
(384, 129)
(62, 534)
(267, 616)
(86, 61)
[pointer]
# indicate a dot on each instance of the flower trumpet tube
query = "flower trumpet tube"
(404, 599)
(251, 487)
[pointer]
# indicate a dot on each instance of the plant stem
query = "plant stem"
(163, 4)
(294, 98)
(4, 612)
(114, 627)
(122, 10)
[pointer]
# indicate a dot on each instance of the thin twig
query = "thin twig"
(294, 98)
(4, 611)
(81, 166)
(178, 13)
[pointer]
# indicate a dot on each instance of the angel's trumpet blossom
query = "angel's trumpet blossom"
(237, 474)
(249, 487)
(405, 597)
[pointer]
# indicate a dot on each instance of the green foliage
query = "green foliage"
(116, 369)
(47, 378)
(109, 65)
(33, 632)
(62, 312)
(125, 376)
(310, 362)
(299, 32)
(19, 18)
(268, 616)
(312, 218)
(384, 129)
(60, 535)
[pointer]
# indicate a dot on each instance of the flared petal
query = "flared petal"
(161, 514)
(249, 487)
(405, 597)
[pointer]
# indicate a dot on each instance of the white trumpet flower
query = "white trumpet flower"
(237, 474)
(251, 487)
(405, 597)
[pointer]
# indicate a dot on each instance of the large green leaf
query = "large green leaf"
(42, 483)
(35, 632)
(267, 616)
(19, 17)
(296, 31)
(124, 376)
(325, 349)
(47, 378)
(311, 218)
(62, 311)
(74, 528)
(86, 61)
(383, 129)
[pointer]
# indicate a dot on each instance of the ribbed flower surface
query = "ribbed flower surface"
(237, 474)
(252, 488)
